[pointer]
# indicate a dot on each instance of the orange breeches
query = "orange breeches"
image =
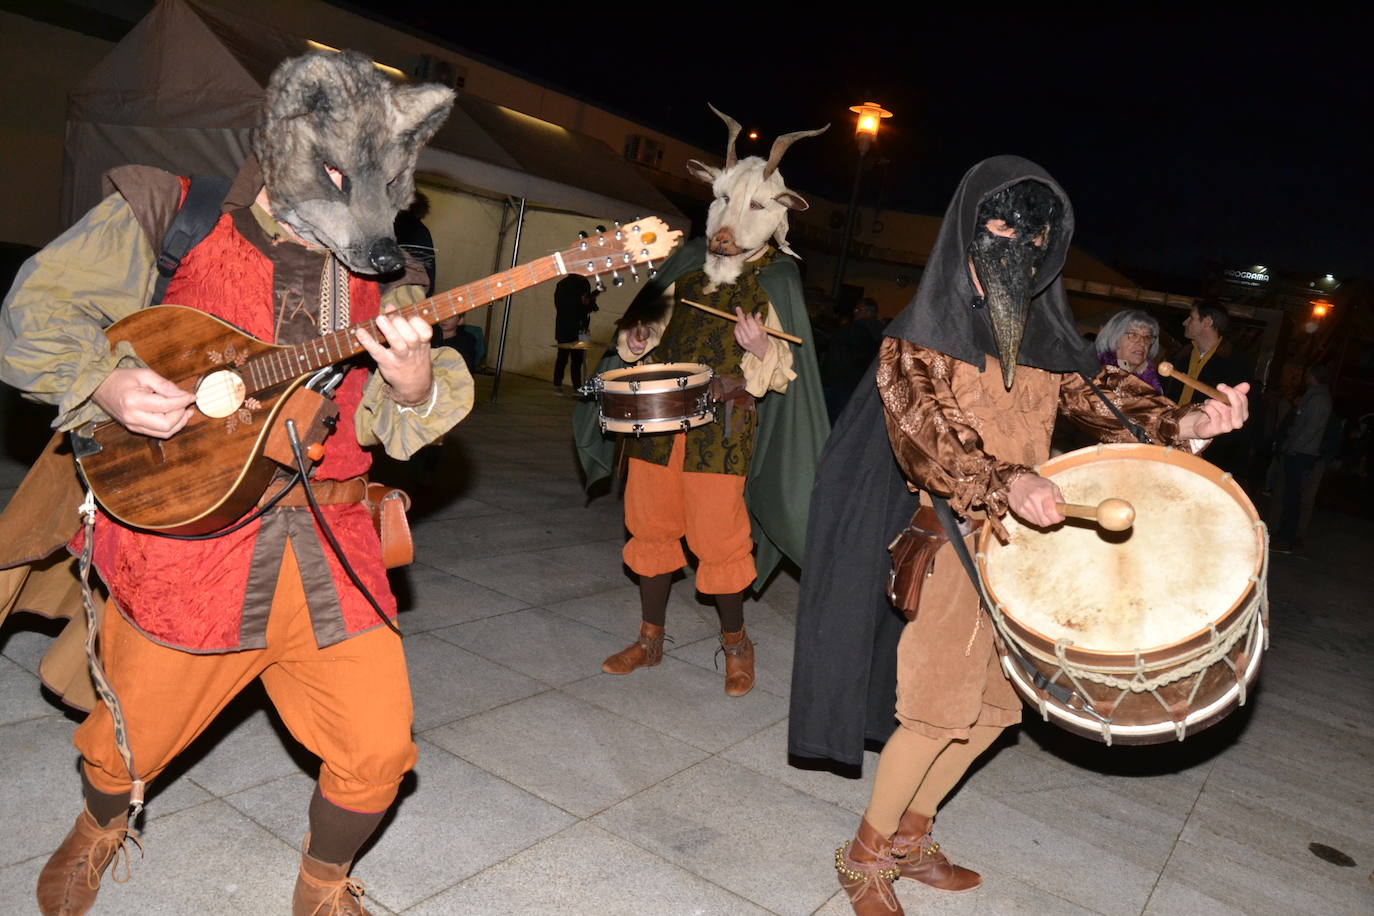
(665, 504)
(349, 703)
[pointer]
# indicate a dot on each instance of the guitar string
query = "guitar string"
(471, 296)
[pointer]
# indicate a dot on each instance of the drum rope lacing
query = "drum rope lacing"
(1190, 663)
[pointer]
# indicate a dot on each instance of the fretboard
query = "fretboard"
(284, 364)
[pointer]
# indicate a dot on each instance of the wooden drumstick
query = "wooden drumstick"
(1167, 370)
(1112, 514)
(735, 318)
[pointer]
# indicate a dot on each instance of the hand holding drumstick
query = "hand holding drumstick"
(1226, 410)
(1037, 500)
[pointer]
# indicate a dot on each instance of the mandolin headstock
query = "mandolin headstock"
(622, 250)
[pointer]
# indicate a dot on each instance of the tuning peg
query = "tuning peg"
(600, 287)
(582, 234)
(600, 228)
(615, 279)
(653, 271)
(616, 223)
(634, 274)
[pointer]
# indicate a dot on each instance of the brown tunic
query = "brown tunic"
(956, 431)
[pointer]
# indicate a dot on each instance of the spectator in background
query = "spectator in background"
(849, 355)
(414, 238)
(1130, 340)
(450, 333)
(1301, 450)
(573, 302)
(1212, 358)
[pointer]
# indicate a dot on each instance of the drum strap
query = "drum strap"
(1058, 691)
(1134, 428)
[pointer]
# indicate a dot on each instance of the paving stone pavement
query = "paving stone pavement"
(546, 787)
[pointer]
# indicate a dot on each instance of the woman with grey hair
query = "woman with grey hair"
(1130, 340)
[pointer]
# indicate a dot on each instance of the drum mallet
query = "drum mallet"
(1167, 370)
(782, 335)
(1112, 514)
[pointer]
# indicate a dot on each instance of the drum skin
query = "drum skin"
(659, 397)
(1138, 605)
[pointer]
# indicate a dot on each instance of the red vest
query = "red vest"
(191, 594)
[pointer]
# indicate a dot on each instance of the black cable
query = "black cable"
(328, 534)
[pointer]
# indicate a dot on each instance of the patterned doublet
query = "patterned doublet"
(725, 446)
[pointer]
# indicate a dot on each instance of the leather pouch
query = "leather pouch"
(388, 506)
(913, 559)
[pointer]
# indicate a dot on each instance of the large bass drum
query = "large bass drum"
(1139, 636)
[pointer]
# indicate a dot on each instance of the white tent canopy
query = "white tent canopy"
(181, 92)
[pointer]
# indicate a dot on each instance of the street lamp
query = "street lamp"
(870, 118)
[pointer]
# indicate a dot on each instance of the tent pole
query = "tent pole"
(505, 312)
(496, 260)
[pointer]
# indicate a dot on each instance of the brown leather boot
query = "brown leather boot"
(644, 652)
(866, 871)
(921, 859)
(324, 889)
(67, 885)
(739, 662)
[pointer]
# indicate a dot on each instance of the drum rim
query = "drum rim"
(1153, 732)
(617, 381)
(1153, 655)
(665, 424)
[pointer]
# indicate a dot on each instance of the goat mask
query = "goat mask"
(751, 204)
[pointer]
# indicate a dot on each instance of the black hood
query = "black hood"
(947, 314)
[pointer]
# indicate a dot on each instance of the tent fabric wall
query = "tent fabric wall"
(465, 227)
(188, 67)
(181, 92)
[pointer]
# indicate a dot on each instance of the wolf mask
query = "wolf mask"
(331, 116)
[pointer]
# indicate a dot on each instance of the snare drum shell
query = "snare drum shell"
(658, 397)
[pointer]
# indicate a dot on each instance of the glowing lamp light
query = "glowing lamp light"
(1320, 308)
(753, 135)
(871, 116)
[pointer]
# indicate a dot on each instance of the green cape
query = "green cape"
(792, 425)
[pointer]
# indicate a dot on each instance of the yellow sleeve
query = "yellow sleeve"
(774, 370)
(53, 346)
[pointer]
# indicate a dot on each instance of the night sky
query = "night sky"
(1180, 139)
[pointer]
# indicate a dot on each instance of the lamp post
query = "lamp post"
(870, 118)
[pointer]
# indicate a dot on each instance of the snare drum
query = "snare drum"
(655, 398)
(1154, 633)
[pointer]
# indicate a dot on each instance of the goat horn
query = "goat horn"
(781, 144)
(734, 132)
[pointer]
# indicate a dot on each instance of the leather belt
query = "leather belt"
(327, 493)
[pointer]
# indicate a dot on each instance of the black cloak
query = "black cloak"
(844, 671)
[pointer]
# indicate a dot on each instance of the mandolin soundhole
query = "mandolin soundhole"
(220, 393)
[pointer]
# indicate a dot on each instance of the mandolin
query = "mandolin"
(214, 469)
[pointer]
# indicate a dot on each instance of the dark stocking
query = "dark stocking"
(731, 611)
(336, 833)
(104, 808)
(653, 598)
